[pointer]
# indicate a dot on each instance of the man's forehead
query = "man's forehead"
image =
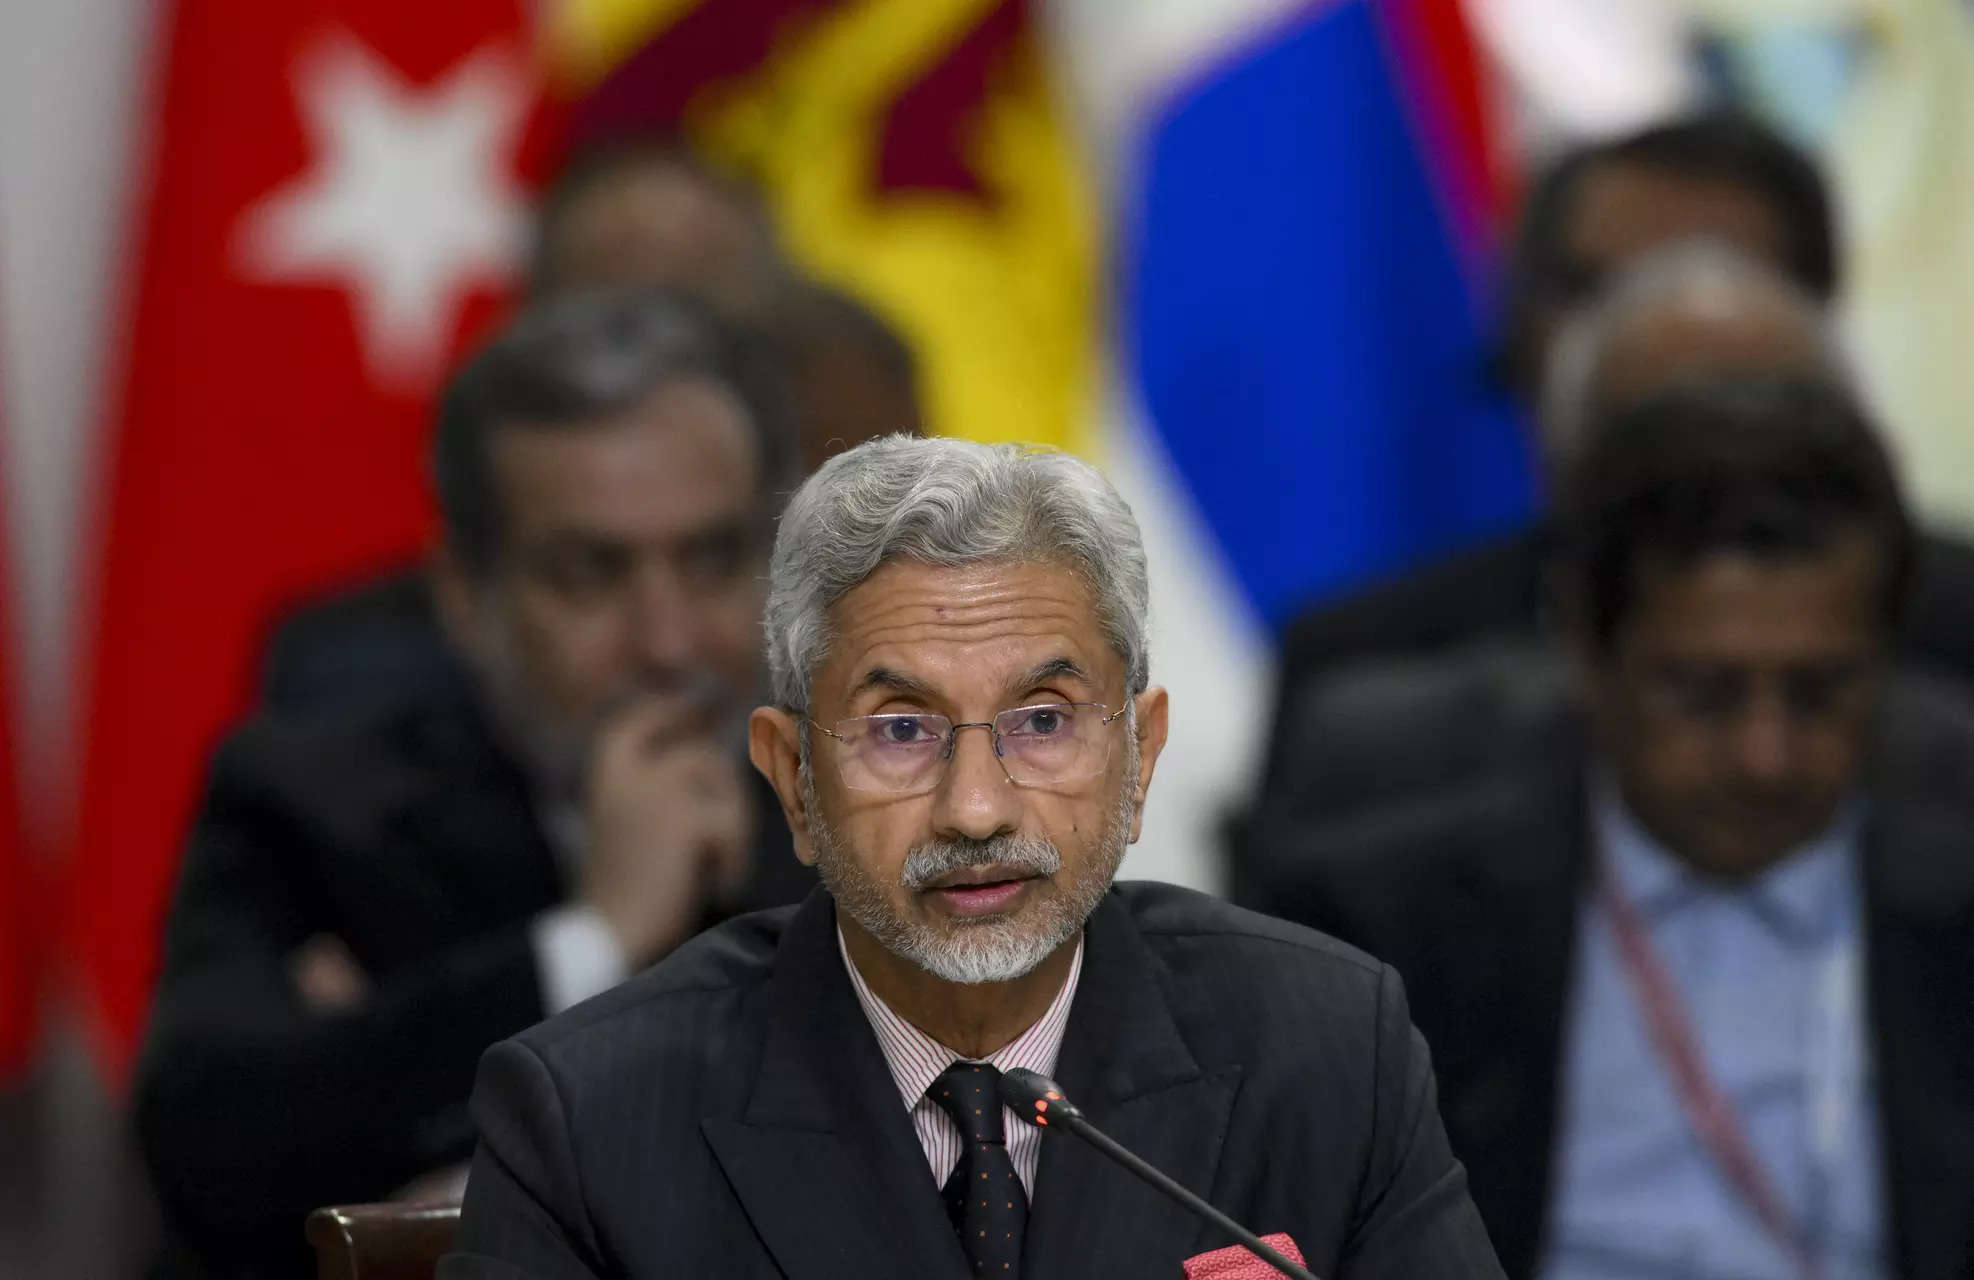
(1060, 670)
(1738, 600)
(1712, 334)
(1624, 207)
(683, 457)
(985, 622)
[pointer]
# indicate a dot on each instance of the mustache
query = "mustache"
(936, 858)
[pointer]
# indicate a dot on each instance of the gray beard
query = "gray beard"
(973, 951)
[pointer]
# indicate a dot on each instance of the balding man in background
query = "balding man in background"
(1595, 214)
(647, 211)
(1684, 312)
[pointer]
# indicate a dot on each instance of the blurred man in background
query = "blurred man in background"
(1597, 209)
(1636, 905)
(1599, 257)
(636, 212)
(646, 211)
(1593, 213)
(374, 894)
(1685, 311)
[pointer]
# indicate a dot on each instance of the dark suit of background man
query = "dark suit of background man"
(1595, 212)
(1714, 857)
(962, 734)
(373, 895)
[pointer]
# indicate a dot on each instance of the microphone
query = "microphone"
(1041, 1102)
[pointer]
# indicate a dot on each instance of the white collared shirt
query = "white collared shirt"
(916, 1060)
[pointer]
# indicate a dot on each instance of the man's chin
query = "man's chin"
(1746, 853)
(984, 951)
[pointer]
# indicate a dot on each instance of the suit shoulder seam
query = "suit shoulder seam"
(1320, 945)
(628, 1005)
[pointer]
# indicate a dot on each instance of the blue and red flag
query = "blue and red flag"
(1305, 300)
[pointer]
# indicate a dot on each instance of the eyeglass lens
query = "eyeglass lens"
(1053, 742)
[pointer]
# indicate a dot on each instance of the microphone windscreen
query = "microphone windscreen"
(1034, 1097)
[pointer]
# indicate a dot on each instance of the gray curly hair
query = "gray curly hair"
(949, 503)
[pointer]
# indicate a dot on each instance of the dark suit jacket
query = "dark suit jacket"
(1495, 592)
(730, 1114)
(373, 643)
(1470, 887)
(405, 833)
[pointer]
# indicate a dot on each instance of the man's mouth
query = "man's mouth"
(980, 891)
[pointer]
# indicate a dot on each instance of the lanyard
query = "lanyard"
(1707, 1110)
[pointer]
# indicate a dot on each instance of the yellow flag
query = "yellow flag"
(914, 153)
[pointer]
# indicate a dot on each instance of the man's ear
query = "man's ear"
(774, 744)
(455, 596)
(1152, 719)
(1575, 631)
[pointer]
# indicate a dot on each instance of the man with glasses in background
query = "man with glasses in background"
(1687, 904)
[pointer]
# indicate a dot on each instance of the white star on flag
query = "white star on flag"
(410, 203)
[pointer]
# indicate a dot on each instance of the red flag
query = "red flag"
(335, 199)
(19, 875)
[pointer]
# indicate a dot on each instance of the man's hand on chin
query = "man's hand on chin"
(668, 823)
(327, 978)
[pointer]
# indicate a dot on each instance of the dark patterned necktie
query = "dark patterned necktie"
(984, 1197)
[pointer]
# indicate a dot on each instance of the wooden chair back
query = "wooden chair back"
(382, 1241)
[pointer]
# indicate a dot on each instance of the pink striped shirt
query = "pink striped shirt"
(916, 1060)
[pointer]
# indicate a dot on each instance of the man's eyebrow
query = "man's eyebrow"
(1044, 672)
(575, 533)
(896, 681)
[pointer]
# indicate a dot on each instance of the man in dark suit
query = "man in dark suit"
(1687, 915)
(962, 734)
(375, 893)
(1588, 220)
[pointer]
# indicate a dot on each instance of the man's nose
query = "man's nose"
(665, 624)
(1765, 740)
(975, 798)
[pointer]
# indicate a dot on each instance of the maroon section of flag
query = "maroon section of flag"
(705, 46)
(922, 132)
(334, 194)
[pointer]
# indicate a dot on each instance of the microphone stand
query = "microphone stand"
(1041, 1102)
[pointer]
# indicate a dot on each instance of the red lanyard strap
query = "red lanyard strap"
(1707, 1111)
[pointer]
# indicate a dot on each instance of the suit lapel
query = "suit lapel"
(473, 812)
(1126, 1065)
(825, 1161)
(1499, 1097)
(1919, 895)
